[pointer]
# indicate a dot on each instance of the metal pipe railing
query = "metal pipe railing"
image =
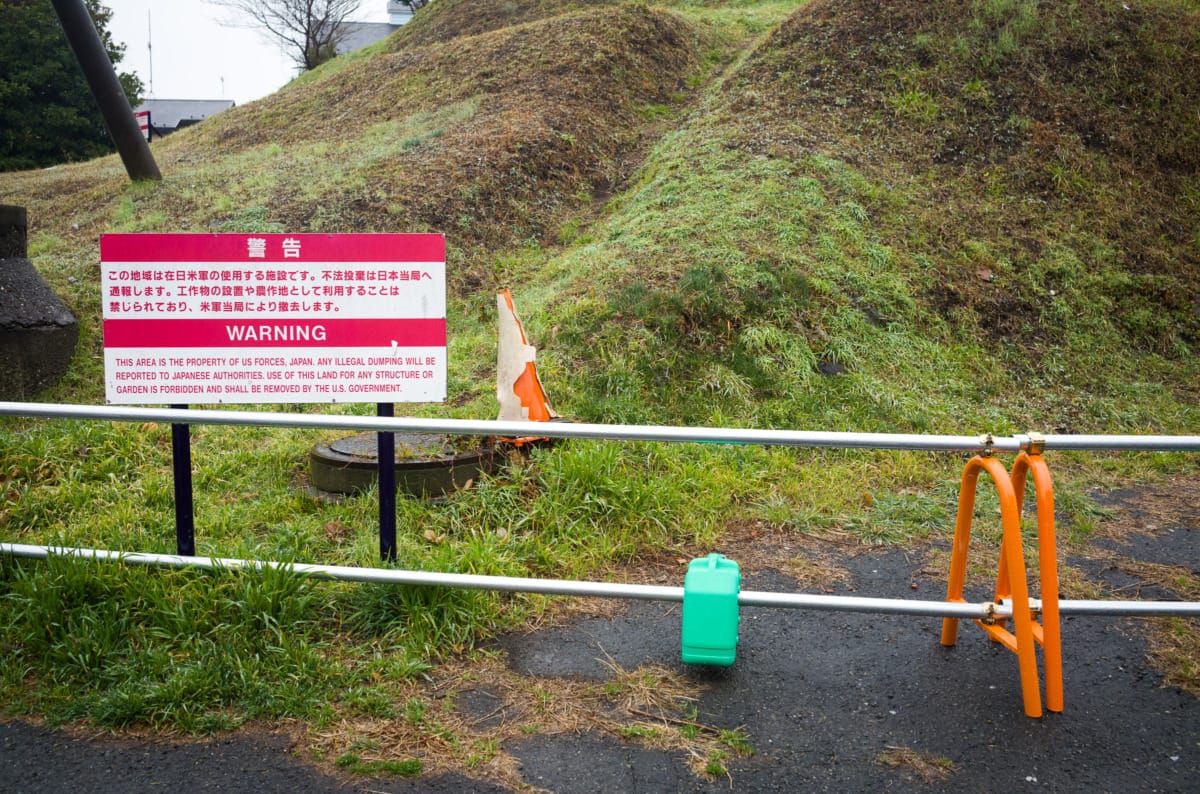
(508, 584)
(567, 430)
(567, 587)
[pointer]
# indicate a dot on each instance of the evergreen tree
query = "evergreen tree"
(47, 112)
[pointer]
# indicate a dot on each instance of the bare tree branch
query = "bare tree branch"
(309, 29)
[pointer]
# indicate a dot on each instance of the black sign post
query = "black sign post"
(385, 446)
(181, 459)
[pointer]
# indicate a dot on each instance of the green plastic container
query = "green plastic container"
(710, 611)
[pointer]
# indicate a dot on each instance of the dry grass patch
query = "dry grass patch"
(1177, 579)
(1075, 584)
(1155, 509)
(456, 19)
(983, 560)
(433, 730)
(819, 574)
(1152, 511)
(927, 767)
(1175, 651)
(812, 558)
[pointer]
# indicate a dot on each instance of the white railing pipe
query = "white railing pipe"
(720, 435)
(567, 587)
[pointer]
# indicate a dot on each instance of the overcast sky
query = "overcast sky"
(197, 57)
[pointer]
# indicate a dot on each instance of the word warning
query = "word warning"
(272, 318)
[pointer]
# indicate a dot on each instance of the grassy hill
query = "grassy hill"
(917, 217)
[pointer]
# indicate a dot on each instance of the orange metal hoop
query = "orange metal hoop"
(1011, 580)
(1048, 633)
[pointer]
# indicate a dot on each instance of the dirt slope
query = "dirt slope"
(492, 140)
(453, 19)
(1054, 145)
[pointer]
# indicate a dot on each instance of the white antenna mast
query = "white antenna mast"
(150, 51)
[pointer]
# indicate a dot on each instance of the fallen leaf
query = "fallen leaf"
(336, 531)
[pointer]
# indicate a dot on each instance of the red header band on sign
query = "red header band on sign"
(276, 332)
(250, 248)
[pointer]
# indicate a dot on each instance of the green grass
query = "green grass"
(355, 765)
(120, 646)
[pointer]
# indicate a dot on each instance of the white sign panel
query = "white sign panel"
(271, 318)
(143, 120)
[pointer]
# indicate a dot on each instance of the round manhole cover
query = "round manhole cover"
(426, 464)
(409, 446)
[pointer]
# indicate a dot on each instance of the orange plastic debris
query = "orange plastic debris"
(527, 387)
(518, 389)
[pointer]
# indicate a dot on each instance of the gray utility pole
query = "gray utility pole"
(106, 88)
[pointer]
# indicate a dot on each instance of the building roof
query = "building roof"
(168, 113)
(356, 35)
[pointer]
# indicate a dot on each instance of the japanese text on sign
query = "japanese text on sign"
(274, 318)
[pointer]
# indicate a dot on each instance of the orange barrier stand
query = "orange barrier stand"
(1011, 582)
(1049, 632)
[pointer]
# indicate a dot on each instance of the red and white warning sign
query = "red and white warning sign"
(271, 318)
(143, 120)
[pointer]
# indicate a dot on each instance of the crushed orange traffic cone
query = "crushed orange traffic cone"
(518, 389)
